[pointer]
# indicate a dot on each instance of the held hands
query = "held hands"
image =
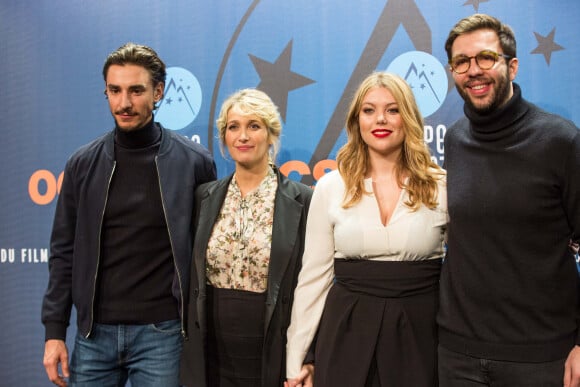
(55, 352)
(304, 379)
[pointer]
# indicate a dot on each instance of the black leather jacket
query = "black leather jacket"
(182, 165)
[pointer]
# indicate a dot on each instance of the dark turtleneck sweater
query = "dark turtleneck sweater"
(136, 267)
(509, 283)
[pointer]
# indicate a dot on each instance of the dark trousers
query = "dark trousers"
(459, 370)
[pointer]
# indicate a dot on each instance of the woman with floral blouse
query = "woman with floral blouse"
(247, 254)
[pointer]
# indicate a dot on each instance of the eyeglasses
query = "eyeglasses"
(485, 60)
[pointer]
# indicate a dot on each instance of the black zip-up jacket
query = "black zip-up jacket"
(181, 165)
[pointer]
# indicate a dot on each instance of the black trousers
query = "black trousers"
(459, 370)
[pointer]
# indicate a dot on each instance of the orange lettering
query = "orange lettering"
(322, 167)
(51, 187)
(59, 182)
(295, 166)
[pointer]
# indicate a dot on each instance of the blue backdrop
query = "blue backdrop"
(309, 55)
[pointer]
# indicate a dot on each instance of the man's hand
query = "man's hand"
(572, 368)
(304, 379)
(55, 352)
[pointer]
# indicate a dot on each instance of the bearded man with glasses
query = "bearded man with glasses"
(509, 301)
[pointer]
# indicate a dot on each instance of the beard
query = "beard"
(500, 96)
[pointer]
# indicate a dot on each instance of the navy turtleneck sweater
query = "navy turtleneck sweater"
(136, 267)
(509, 284)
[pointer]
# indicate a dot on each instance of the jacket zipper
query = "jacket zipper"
(181, 301)
(99, 252)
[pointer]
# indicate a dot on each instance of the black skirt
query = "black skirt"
(378, 327)
(235, 337)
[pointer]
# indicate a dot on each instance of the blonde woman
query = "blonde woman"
(247, 254)
(374, 245)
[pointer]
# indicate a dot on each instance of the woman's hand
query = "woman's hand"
(304, 379)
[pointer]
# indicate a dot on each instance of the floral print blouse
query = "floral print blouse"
(238, 251)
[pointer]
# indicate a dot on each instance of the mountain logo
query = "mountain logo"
(426, 76)
(181, 102)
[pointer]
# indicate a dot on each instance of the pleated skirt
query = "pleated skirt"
(378, 327)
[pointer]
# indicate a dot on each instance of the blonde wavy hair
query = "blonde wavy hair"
(415, 160)
(256, 102)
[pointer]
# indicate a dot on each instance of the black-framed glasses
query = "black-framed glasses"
(484, 59)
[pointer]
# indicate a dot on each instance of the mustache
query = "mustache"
(478, 78)
(128, 111)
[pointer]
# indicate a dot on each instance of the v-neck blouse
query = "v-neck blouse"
(358, 232)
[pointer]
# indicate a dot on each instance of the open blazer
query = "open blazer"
(290, 211)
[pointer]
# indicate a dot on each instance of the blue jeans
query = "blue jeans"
(459, 370)
(146, 355)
